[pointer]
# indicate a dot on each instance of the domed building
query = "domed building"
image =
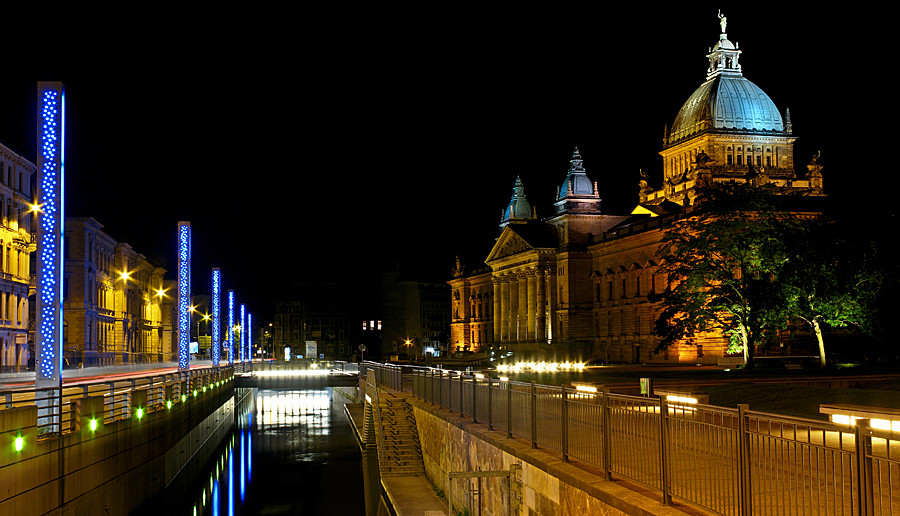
(580, 284)
(727, 130)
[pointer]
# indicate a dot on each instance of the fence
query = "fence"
(730, 461)
(58, 411)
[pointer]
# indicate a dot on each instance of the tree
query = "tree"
(830, 280)
(723, 261)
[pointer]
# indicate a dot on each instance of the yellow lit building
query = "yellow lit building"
(117, 305)
(16, 246)
(578, 285)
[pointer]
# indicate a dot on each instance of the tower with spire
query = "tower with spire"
(578, 214)
(519, 209)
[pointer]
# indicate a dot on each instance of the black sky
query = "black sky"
(329, 144)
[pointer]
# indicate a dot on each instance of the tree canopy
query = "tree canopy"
(724, 260)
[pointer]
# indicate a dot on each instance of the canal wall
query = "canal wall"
(546, 485)
(113, 468)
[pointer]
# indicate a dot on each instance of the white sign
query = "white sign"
(287, 353)
(311, 350)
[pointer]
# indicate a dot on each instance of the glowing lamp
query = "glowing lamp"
(19, 443)
(93, 424)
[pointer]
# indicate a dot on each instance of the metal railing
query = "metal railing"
(58, 412)
(387, 375)
(730, 461)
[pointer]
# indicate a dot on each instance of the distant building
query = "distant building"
(17, 242)
(416, 317)
(314, 313)
(117, 306)
(579, 284)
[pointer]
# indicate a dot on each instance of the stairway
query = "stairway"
(401, 453)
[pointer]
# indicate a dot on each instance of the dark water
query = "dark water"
(292, 452)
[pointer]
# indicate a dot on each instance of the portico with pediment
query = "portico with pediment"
(524, 284)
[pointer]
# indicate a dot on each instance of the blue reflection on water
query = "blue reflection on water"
(293, 425)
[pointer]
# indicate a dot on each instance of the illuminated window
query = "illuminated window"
(365, 325)
(379, 325)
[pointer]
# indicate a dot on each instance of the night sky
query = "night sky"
(330, 144)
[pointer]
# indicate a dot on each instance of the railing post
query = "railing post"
(460, 394)
(604, 413)
(533, 416)
(564, 410)
(474, 398)
(664, 449)
(490, 403)
(744, 460)
(509, 410)
(864, 467)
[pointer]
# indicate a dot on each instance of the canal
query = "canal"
(292, 451)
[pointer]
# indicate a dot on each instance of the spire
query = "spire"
(575, 164)
(723, 58)
(788, 126)
(519, 209)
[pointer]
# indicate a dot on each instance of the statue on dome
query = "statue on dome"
(723, 21)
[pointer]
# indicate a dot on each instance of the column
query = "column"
(513, 308)
(532, 306)
(522, 318)
(504, 309)
(496, 313)
(540, 320)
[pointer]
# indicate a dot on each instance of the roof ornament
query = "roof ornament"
(576, 161)
(723, 21)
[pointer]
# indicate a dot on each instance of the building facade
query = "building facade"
(17, 243)
(580, 284)
(117, 306)
(314, 313)
(416, 318)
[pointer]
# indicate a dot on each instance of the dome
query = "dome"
(727, 103)
(576, 184)
(519, 207)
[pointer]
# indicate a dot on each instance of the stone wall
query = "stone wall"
(545, 486)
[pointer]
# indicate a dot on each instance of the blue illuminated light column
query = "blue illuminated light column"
(250, 335)
(184, 295)
(230, 326)
(216, 330)
(244, 356)
(48, 301)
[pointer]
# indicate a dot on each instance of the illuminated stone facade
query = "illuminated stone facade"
(579, 285)
(16, 245)
(117, 305)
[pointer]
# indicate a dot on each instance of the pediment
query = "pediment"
(508, 244)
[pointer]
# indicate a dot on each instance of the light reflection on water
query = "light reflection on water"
(309, 459)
